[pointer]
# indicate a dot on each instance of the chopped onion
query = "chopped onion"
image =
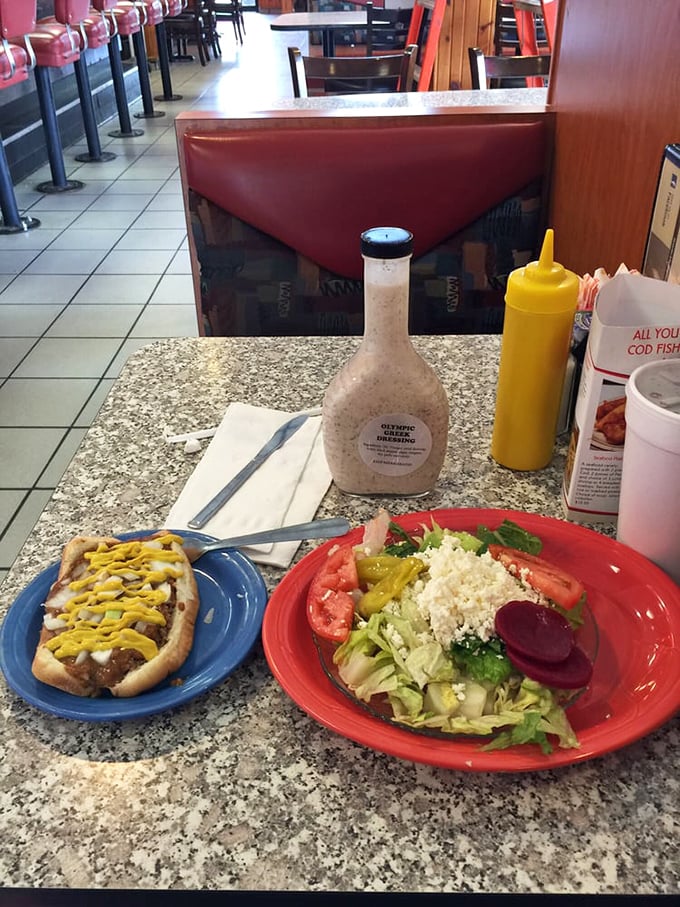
(60, 598)
(80, 658)
(108, 594)
(141, 626)
(84, 614)
(101, 657)
(166, 589)
(209, 616)
(54, 623)
(153, 543)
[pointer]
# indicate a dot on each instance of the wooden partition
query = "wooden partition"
(467, 23)
(614, 92)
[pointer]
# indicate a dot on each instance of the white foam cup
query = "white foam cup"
(649, 503)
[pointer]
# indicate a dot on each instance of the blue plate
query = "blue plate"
(232, 597)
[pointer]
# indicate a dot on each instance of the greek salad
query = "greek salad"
(460, 633)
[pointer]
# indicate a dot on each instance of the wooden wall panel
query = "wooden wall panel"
(467, 23)
(615, 93)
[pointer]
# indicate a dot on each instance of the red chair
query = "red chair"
(124, 22)
(550, 9)
(128, 18)
(15, 64)
(55, 45)
(90, 33)
(152, 13)
(171, 9)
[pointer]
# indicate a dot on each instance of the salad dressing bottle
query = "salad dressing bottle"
(540, 303)
(385, 414)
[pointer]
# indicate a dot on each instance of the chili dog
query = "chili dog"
(120, 615)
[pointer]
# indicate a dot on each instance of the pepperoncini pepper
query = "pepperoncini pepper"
(391, 585)
(373, 569)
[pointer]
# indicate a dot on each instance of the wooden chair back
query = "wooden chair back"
(349, 75)
(487, 71)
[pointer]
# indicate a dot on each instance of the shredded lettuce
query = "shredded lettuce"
(472, 689)
(427, 688)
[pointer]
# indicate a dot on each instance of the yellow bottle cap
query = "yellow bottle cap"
(543, 286)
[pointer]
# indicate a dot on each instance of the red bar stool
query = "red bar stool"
(171, 8)
(94, 34)
(15, 64)
(125, 22)
(149, 12)
(55, 45)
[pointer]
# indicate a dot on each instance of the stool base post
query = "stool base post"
(164, 64)
(144, 82)
(126, 131)
(95, 154)
(52, 139)
(11, 221)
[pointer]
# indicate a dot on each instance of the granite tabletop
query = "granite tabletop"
(532, 100)
(239, 789)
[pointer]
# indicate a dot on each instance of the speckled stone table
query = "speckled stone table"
(240, 789)
(530, 100)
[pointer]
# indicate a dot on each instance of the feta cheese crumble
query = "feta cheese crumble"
(464, 591)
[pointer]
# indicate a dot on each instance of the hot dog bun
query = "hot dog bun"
(119, 617)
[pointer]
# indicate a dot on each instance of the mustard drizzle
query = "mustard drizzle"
(118, 578)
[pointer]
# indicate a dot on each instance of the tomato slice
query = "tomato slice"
(330, 607)
(552, 581)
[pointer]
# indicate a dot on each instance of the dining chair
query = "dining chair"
(491, 71)
(350, 75)
(190, 25)
(209, 14)
(231, 11)
(424, 30)
(386, 28)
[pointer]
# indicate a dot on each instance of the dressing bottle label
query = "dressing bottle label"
(395, 444)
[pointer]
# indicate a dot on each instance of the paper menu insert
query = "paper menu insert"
(635, 320)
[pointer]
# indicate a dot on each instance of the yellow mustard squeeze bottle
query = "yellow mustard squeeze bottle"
(385, 414)
(540, 303)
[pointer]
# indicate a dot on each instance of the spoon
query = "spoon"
(317, 529)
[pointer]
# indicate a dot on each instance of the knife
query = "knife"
(278, 439)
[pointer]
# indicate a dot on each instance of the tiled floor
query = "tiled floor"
(106, 273)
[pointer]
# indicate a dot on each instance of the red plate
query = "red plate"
(636, 678)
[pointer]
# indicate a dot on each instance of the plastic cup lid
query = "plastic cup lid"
(653, 399)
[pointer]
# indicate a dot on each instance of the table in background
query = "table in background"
(239, 789)
(325, 22)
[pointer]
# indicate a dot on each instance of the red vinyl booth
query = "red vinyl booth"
(276, 206)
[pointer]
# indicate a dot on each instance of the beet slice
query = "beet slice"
(571, 674)
(535, 631)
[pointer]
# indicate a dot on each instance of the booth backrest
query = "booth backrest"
(276, 207)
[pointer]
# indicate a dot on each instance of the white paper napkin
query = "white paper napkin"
(286, 489)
